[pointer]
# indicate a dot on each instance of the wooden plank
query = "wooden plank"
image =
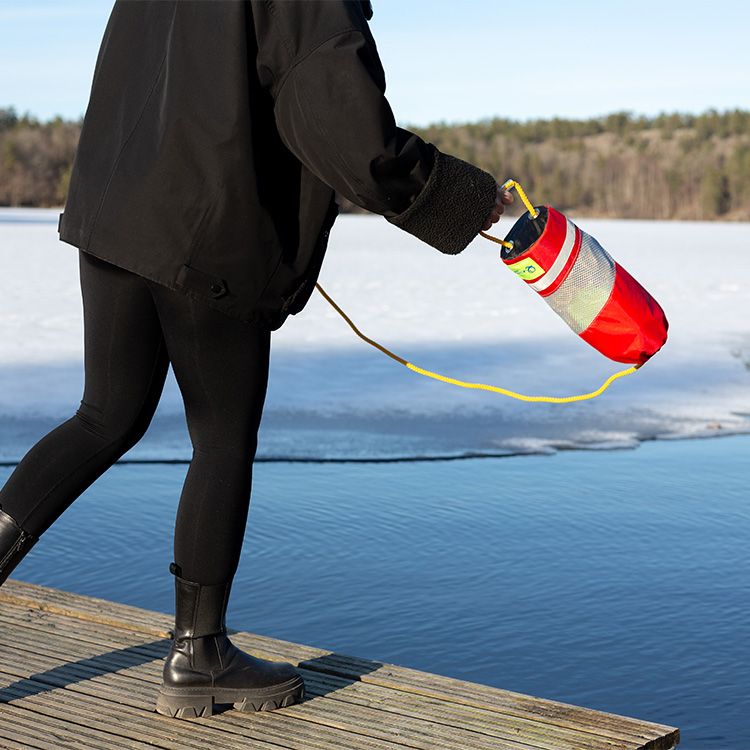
(471, 695)
(381, 709)
(85, 607)
(131, 726)
(21, 728)
(142, 726)
(69, 663)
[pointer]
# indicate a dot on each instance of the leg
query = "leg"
(125, 364)
(221, 366)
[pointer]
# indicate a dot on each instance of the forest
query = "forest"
(671, 166)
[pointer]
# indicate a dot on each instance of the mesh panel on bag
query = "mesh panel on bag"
(580, 298)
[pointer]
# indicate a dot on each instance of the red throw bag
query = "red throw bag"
(581, 282)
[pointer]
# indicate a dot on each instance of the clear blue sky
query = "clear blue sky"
(456, 60)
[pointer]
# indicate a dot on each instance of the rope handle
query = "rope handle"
(526, 202)
(478, 386)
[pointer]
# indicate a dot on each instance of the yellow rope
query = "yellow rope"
(522, 195)
(479, 386)
(521, 397)
(504, 243)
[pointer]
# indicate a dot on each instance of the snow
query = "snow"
(334, 397)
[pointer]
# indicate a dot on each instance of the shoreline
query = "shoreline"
(426, 458)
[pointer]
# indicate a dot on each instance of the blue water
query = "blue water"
(617, 580)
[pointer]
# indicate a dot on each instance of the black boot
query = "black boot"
(203, 667)
(14, 544)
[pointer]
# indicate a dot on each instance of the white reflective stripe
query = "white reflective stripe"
(550, 277)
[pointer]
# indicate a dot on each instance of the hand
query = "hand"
(503, 199)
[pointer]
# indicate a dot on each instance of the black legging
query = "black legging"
(133, 330)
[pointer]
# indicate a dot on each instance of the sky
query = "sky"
(456, 60)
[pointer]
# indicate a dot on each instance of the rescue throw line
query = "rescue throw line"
(476, 386)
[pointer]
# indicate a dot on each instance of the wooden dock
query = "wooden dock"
(77, 672)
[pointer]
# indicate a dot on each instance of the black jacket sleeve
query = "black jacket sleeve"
(320, 64)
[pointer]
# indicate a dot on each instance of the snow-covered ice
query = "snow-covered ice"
(466, 316)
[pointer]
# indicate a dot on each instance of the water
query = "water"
(611, 579)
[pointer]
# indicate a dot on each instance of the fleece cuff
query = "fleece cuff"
(452, 207)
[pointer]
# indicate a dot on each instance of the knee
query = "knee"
(114, 427)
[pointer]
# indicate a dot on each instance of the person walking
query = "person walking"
(201, 200)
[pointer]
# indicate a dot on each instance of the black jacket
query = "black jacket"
(216, 134)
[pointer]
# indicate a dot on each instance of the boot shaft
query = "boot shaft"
(200, 610)
(200, 642)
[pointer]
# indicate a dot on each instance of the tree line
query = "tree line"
(35, 159)
(672, 166)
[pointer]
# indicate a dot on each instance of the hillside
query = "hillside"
(668, 167)
(674, 166)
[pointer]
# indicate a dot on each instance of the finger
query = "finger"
(493, 218)
(502, 199)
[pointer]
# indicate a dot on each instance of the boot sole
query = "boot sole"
(194, 703)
